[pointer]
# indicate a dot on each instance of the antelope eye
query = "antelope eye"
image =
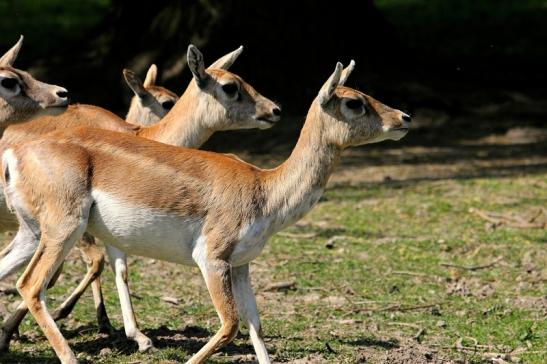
(9, 83)
(167, 105)
(354, 104)
(229, 88)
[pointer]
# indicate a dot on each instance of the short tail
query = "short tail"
(9, 164)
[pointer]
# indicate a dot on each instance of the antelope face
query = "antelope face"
(229, 102)
(244, 107)
(150, 103)
(163, 100)
(355, 118)
(23, 98)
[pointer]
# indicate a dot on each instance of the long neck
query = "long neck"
(295, 186)
(184, 125)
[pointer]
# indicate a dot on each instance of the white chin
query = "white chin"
(264, 125)
(397, 134)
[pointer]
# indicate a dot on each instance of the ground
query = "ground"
(394, 265)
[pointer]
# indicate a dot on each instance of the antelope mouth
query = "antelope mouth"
(269, 121)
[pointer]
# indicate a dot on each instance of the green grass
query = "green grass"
(359, 299)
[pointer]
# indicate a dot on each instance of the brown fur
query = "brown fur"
(183, 126)
(225, 193)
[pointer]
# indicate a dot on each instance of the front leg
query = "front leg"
(246, 306)
(118, 261)
(218, 278)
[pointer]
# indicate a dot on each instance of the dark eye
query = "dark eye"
(229, 88)
(9, 83)
(167, 105)
(354, 104)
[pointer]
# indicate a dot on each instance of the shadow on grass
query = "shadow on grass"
(189, 339)
(28, 357)
(373, 342)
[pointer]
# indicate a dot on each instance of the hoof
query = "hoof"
(146, 346)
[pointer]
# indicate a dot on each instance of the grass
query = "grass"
(360, 299)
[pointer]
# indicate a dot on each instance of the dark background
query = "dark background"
(447, 58)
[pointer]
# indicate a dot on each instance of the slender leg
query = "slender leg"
(21, 250)
(94, 258)
(11, 324)
(54, 246)
(6, 249)
(119, 265)
(246, 306)
(218, 277)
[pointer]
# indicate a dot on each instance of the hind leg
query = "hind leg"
(55, 243)
(20, 252)
(95, 264)
(21, 249)
(11, 324)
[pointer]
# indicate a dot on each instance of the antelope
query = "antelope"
(180, 205)
(150, 102)
(224, 102)
(22, 97)
(144, 111)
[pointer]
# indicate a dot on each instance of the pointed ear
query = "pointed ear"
(11, 55)
(195, 62)
(326, 92)
(227, 60)
(134, 83)
(151, 76)
(346, 72)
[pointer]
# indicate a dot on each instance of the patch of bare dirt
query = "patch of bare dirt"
(470, 287)
(416, 354)
(531, 303)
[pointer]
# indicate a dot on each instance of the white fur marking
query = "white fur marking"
(143, 231)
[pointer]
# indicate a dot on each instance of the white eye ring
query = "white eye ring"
(10, 84)
(354, 107)
(231, 90)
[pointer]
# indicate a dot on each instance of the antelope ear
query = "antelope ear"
(326, 92)
(10, 56)
(227, 60)
(346, 73)
(195, 62)
(134, 83)
(151, 76)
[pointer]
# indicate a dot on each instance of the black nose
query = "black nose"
(407, 118)
(277, 111)
(62, 94)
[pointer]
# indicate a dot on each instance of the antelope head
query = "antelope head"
(151, 102)
(22, 97)
(228, 101)
(351, 118)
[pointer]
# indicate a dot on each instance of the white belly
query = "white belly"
(143, 231)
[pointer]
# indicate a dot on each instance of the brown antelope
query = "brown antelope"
(151, 102)
(224, 102)
(22, 97)
(180, 205)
